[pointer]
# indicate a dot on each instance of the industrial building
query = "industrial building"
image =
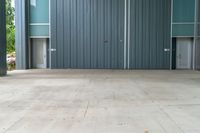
(108, 34)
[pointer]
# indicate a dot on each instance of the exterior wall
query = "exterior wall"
(3, 66)
(81, 42)
(21, 23)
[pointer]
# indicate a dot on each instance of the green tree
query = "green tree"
(10, 27)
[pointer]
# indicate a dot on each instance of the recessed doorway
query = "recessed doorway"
(184, 52)
(39, 53)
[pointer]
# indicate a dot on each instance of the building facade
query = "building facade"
(3, 65)
(108, 34)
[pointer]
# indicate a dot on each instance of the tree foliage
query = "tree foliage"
(10, 27)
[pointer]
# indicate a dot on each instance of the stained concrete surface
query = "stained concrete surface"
(100, 101)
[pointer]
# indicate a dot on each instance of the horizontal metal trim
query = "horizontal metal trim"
(183, 36)
(39, 37)
(185, 23)
(39, 24)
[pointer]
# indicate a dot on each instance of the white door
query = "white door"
(39, 53)
(184, 53)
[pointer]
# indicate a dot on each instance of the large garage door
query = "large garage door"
(149, 34)
(90, 34)
(87, 34)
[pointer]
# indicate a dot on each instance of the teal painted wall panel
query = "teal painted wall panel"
(183, 30)
(183, 10)
(38, 30)
(198, 9)
(198, 30)
(183, 13)
(39, 11)
(198, 19)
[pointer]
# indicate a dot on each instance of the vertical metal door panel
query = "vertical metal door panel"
(121, 6)
(114, 35)
(80, 35)
(100, 30)
(150, 34)
(53, 40)
(60, 31)
(74, 31)
(107, 34)
(87, 33)
(117, 34)
(167, 32)
(94, 35)
(67, 34)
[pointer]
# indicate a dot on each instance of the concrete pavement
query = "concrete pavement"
(100, 101)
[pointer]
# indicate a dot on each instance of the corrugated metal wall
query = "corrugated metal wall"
(21, 37)
(197, 55)
(90, 34)
(3, 67)
(150, 34)
(87, 33)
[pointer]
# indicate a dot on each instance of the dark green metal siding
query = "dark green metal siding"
(3, 67)
(150, 34)
(87, 33)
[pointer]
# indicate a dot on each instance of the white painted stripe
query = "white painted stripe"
(129, 22)
(39, 24)
(172, 11)
(38, 36)
(50, 34)
(125, 32)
